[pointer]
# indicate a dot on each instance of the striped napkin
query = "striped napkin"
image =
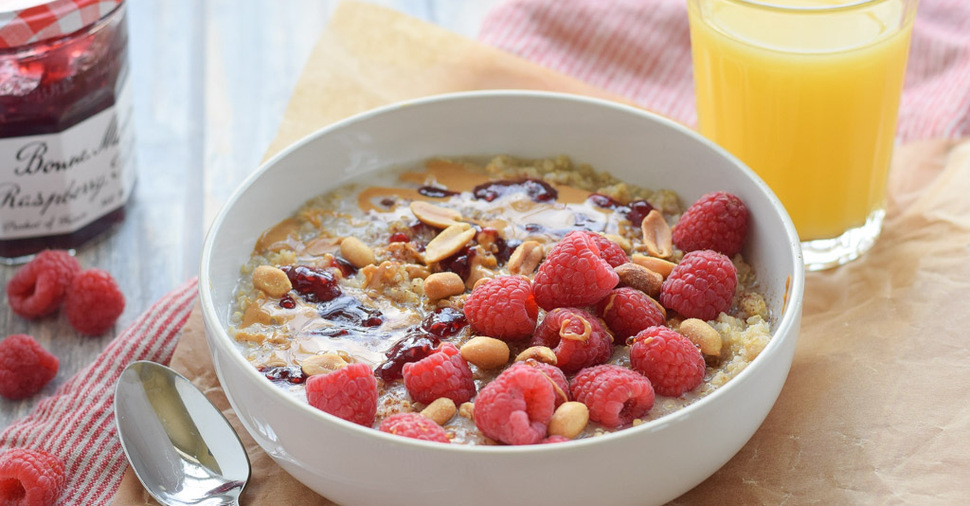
(634, 48)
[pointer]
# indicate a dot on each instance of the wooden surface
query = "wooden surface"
(210, 81)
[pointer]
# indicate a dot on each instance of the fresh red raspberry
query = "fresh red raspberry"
(349, 393)
(627, 311)
(673, 364)
(717, 221)
(573, 274)
(609, 250)
(25, 367)
(614, 394)
(503, 308)
(94, 302)
(30, 477)
(701, 285)
(560, 383)
(576, 336)
(38, 288)
(515, 407)
(414, 425)
(441, 374)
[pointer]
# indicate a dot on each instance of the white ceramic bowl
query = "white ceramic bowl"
(651, 463)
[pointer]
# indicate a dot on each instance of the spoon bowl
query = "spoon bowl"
(181, 447)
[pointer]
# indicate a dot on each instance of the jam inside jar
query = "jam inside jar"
(66, 140)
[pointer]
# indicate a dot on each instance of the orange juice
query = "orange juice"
(808, 99)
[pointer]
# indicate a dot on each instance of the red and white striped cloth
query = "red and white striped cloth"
(77, 423)
(640, 49)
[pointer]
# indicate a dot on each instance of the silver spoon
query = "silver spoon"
(180, 446)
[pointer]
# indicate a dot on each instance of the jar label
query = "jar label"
(57, 183)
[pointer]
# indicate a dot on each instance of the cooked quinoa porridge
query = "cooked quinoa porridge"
(535, 295)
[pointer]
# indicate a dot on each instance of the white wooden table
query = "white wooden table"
(210, 80)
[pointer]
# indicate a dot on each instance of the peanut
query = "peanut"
(526, 258)
(443, 284)
(441, 410)
(621, 241)
(322, 364)
(467, 410)
(271, 280)
(435, 216)
(539, 354)
(485, 352)
(703, 335)
(657, 237)
(640, 278)
(448, 242)
(356, 252)
(658, 265)
(569, 419)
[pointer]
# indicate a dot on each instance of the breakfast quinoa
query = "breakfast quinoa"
(509, 301)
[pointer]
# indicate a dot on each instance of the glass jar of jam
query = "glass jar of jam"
(66, 140)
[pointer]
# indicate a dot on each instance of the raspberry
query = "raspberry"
(414, 425)
(515, 407)
(573, 274)
(30, 477)
(349, 393)
(560, 383)
(38, 288)
(627, 311)
(577, 337)
(609, 250)
(717, 221)
(614, 394)
(441, 374)
(701, 285)
(25, 367)
(673, 364)
(503, 308)
(94, 302)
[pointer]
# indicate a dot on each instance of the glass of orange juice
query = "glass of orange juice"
(806, 93)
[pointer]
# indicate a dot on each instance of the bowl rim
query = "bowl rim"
(791, 304)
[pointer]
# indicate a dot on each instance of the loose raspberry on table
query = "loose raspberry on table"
(443, 373)
(94, 302)
(25, 366)
(717, 221)
(349, 393)
(503, 308)
(515, 407)
(701, 286)
(414, 425)
(576, 337)
(38, 288)
(30, 477)
(673, 363)
(614, 394)
(560, 383)
(573, 274)
(627, 311)
(609, 250)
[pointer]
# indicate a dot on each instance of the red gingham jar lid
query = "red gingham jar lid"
(28, 21)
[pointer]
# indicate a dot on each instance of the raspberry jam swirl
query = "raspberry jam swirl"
(66, 169)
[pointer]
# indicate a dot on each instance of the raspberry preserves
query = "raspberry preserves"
(66, 170)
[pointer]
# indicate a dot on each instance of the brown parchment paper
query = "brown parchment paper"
(876, 408)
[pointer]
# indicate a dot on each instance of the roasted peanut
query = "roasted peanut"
(322, 364)
(526, 258)
(271, 280)
(443, 284)
(539, 354)
(356, 252)
(467, 410)
(658, 265)
(703, 335)
(435, 216)
(569, 419)
(441, 410)
(485, 352)
(657, 237)
(640, 278)
(448, 242)
(620, 241)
